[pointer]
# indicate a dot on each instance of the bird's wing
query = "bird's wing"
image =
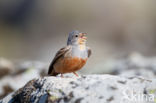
(89, 51)
(59, 54)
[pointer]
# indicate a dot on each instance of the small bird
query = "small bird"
(72, 57)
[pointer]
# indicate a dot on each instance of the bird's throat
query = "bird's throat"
(82, 47)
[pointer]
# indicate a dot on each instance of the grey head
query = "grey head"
(76, 38)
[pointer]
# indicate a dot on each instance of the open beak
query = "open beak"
(83, 36)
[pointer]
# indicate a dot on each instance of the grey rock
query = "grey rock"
(20, 73)
(135, 65)
(85, 89)
(18, 77)
(132, 65)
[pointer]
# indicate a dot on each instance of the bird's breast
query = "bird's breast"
(80, 52)
(69, 64)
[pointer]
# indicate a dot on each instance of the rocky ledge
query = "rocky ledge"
(85, 89)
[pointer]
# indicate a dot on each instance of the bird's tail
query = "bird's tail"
(52, 73)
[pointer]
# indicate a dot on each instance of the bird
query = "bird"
(72, 57)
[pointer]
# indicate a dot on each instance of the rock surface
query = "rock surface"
(134, 67)
(85, 89)
(16, 78)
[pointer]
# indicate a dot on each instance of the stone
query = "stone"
(85, 89)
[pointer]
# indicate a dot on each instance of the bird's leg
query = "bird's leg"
(62, 75)
(76, 74)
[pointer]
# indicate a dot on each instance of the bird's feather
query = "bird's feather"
(89, 52)
(61, 53)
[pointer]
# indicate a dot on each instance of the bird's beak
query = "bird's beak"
(83, 36)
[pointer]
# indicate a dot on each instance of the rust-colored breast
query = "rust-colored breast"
(67, 65)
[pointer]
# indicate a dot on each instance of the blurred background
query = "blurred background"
(34, 30)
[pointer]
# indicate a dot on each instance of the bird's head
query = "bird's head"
(76, 38)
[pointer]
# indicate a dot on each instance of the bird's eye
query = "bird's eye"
(76, 35)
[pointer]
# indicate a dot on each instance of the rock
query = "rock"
(85, 89)
(132, 65)
(23, 73)
(16, 75)
(135, 65)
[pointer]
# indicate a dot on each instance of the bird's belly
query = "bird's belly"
(67, 65)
